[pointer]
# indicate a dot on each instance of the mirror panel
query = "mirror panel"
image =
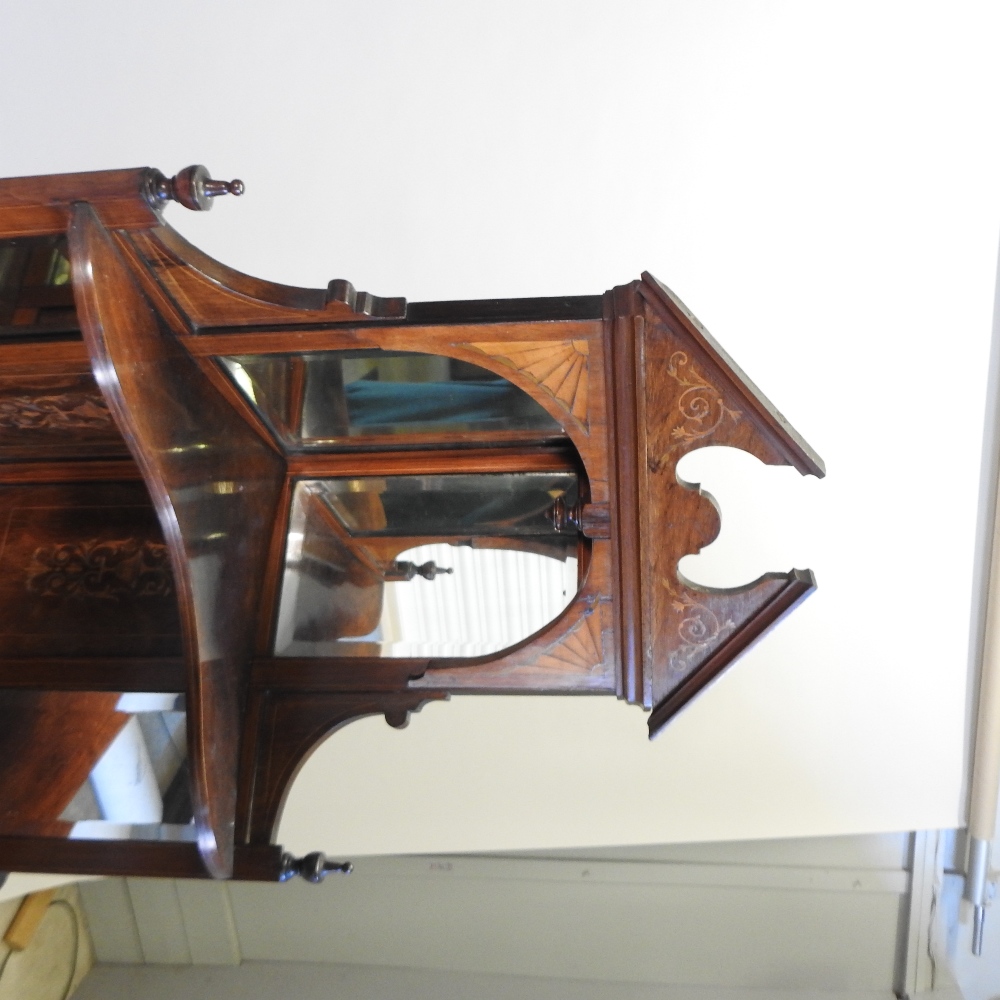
(492, 599)
(501, 504)
(332, 399)
(408, 566)
(36, 296)
(139, 789)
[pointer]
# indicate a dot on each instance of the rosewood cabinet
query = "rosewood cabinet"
(238, 515)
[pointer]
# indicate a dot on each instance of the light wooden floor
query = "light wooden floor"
(59, 951)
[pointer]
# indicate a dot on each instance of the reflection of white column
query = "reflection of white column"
(494, 598)
(289, 599)
(124, 782)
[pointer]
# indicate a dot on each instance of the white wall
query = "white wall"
(823, 914)
(310, 981)
(307, 981)
(817, 181)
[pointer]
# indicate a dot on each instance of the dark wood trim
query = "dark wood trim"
(92, 674)
(438, 462)
(350, 673)
(151, 858)
(66, 329)
(626, 331)
(295, 338)
(481, 313)
(553, 308)
(86, 471)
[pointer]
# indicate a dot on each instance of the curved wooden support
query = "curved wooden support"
(289, 726)
(212, 294)
(679, 391)
(215, 487)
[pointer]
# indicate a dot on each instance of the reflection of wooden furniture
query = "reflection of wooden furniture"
(181, 458)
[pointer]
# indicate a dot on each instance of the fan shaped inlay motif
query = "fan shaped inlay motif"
(583, 648)
(558, 366)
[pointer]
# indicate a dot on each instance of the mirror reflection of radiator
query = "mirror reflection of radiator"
(138, 790)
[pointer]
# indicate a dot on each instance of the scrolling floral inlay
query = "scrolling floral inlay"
(66, 411)
(700, 407)
(109, 570)
(698, 631)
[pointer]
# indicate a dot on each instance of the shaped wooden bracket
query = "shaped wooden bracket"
(674, 389)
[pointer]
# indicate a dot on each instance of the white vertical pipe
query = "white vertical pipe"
(124, 781)
(985, 783)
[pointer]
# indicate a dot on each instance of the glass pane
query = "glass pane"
(330, 399)
(359, 582)
(492, 599)
(36, 296)
(332, 586)
(494, 504)
(139, 788)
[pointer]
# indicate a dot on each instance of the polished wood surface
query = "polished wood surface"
(95, 673)
(212, 294)
(145, 503)
(215, 487)
(155, 859)
(37, 205)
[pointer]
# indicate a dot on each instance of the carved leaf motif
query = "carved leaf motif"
(560, 367)
(108, 570)
(582, 648)
(66, 411)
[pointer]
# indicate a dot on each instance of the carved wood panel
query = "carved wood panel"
(84, 572)
(56, 416)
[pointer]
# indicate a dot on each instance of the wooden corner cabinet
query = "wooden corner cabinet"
(238, 515)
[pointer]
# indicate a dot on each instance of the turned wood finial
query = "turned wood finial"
(193, 187)
(313, 867)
